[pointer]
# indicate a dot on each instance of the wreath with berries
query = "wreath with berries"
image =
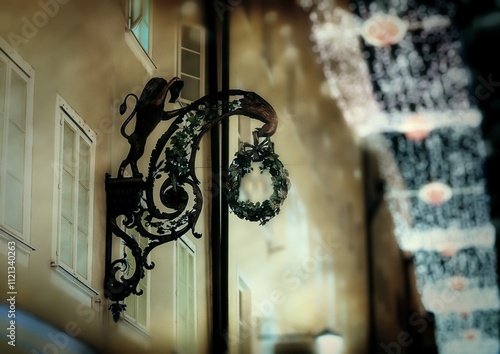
(241, 165)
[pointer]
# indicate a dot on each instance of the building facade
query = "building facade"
(65, 68)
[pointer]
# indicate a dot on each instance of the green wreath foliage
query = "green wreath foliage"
(241, 165)
(176, 162)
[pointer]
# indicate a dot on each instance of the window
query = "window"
(16, 100)
(244, 130)
(75, 183)
(137, 311)
(191, 62)
(244, 317)
(139, 21)
(186, 294)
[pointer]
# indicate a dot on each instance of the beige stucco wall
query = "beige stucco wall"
(301, 282)
(306, 268)
(78, 50)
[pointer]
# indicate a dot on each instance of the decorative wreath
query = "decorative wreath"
(241, 165)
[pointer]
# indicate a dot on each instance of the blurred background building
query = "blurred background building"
(387, 126)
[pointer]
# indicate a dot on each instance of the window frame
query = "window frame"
(15, 63)
(145, 58)
(145, 7)
(244, 344)
(65, 114)
(190, 247)
(202, 54)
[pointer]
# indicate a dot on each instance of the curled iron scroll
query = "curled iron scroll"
(167, 203)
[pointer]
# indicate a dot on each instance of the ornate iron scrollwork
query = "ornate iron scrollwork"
(166, 203)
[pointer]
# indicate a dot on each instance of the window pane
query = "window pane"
(144, 28)
(186, 316)
(146, 11)
(190, 289)
(181, 263)
(3, 83)
(74, 188)
(130, 258)
(191, 90)
(181, 291)
(84, 168)
(69, 148)
(67, 198)
(143, 242)
(191, 38)
(143, 35)
(141, 25)
(13, 207)
(135, 9)
(190, 63)
(18, 91)
(131, 304)
(82, 253)
(15, 151)
(191, 333)
(83, 208)
(142, 305)
(66, 247)
(190, 270)
(181, 300)
(244, 129)
(182, 330)
(190, 306)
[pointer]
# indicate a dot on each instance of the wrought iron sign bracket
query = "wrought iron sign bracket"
(165, 204)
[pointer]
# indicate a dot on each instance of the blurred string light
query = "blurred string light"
(395, 70)
(423, 74)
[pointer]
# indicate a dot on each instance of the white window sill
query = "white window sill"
(74, 280)
(20, 244)
(139, 52)
(132, 323)
(134, 332)
(23, 248)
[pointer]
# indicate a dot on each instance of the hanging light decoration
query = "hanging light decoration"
(405, 89)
